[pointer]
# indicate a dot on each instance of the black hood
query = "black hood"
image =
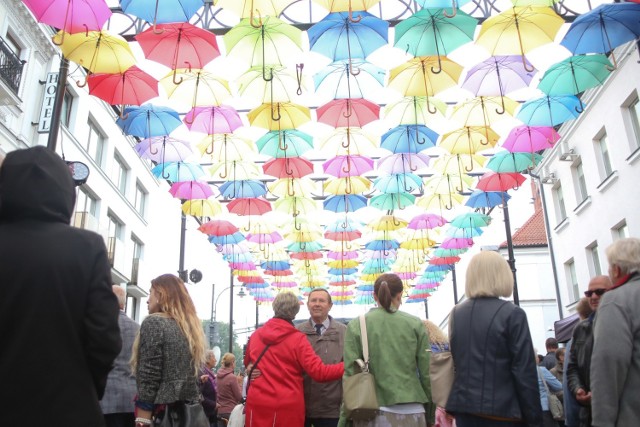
(35, 183)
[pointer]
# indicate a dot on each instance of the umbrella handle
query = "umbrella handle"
(411, 166)
(579, 109)
(286, 168)
(299, 68)
(429, 106)
(349, 111)
(163, 175)
(353, 71)
(439, 67)
(296, 224)
(53, 38)
(348, 139)
(502, 106)
(453, 7)
(281, 146)
(174, 78)
(395, 222)
(226, 171)
(264, 77)
(122, 114)
(348, 167)
(252, 19)
(210, 151)
(83, 83)
(351, 18)
(347, 186)
(151, 149)
(278, 116)
(307, 263)
(418, 140)
(290, 190)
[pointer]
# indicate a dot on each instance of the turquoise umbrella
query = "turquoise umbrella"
(513, 162)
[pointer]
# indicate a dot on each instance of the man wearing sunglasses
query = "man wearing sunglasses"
(581, 348)
(615, 368)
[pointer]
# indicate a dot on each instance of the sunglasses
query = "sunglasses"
(598, 292)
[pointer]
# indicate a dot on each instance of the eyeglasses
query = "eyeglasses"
(598, 292)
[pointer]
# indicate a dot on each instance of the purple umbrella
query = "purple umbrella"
(163, 149)
(499, 75)
(403, 163)
(210, 120)
(529, 139)
(426, 221)
(341, 166)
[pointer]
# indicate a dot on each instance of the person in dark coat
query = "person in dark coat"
(496, 381)
(58, 314)
(209, 388)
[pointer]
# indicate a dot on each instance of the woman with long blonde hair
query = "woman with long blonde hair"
(168, 351)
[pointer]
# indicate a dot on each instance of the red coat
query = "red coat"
(276, 398)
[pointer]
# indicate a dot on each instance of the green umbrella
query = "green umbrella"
(431, 32)
(513, 162)
(575, 74)
(471, 220)
(284, 143)
(391, 201)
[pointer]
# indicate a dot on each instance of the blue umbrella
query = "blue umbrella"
(149, 120)
(337, 80)
(227, 239)
(243, 189)
(347, 224)
(398, 183)
(344, 203)
(342, 271)
(178, 171)
(443, 253)
(487, 199)
(409, 139)
(304, 247)
(338, 36)
(466, 233)
(275, 265)
(603, 29)
(382, 245)
(284, 143)
(167, 11)
(549, 110)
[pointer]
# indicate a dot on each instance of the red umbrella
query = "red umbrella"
(218, 227)
(179, 45)
(348, 112)
(131, 87)
(249, 206)
(493, 181)
(305, 255)
(288, 167)
(444, 260)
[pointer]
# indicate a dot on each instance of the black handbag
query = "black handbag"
(182, 414)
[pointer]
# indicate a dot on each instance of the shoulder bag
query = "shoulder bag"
(555, 406)
(183, 414)
(236, 418)
(441, 374)
(359, 390)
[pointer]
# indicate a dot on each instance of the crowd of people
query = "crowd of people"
(105, 370)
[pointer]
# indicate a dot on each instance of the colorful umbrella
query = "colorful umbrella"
(470, 220)
(149, 120)
(603, 29)
(288, 167)
(390, 201)
(346, 141)
(494, 181)
(249, 206)
(529, 139)
(191, 87)
(97, 51)
(419, 77)
(408, 139)
(235, 169)
(241, 189)
(338, 82)
(486, 199)
(178, 171)
(202, 208)
(348, 112)
(403, 163)
(287, 187)
(341, 166)
(285, 143)
(161, 149)
(170, 10)
(469, 140)
(549, 110)
(347, 185)
(513, 162)
(398, 183)
(483, 111)
(279, 116)
(278, 88)
(213, 119)
(188, 190)
(226, 147)
(218, 227)
(498, 76)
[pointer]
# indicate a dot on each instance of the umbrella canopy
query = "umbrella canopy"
(347, 185)
(398, 183)
(513, 162)
(575, 74)
(249, 206)
(337, 80)
(403, 163)
(486, 199)
(408, 139)
(226, 148)
(71, 16)
(133, 86)
(191, 87)
(390, 201)
(426, 221)
(529, 139)
(348, 112)
(245, 188)
(255, 8)
(235, 169)
(161, 149)
(188, 190)
(498, 76)
(469, 140)
(280, 87)
(202, 208)
(98, 51)
(213, 119)
(494, 181)
(549, 110)
(149, 120)
(470, 220)
(288, 167)
(483, 111)
(218, 227)
(178, 171)
(347, 141)
(341, 166)
(285, 143)
(279, 116)
(166, 11)
(425, 76)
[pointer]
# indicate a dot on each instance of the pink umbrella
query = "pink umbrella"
(456, 243)
(188, 190)
(72, 16)
(210, 120)
(529, 139)
(341, 166)
(249, 206)
(218, 227)
(264, 238)
(493, 181)
(342, 255)
(163, 149)
(403, 163)
(348, 112)
(426, 221)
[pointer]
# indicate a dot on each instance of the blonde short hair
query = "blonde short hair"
(228, 359)
(625, 253)
(286, 305)
(436, 335)
(488, 275)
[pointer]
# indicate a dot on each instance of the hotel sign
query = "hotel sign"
(46, 113)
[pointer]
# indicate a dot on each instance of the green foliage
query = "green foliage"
(223, 340)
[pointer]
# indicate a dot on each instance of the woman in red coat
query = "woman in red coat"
(276, 397)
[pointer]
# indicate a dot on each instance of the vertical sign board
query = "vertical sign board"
(46, 113)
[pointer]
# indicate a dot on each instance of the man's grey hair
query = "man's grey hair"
(121, 294)
(286, 305)
(209, 353)
(625, 253)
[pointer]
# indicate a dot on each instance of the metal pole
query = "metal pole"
(182, 273)
(511, 260)
(212, 321)
(455, 284)
(231, 312)
(57, 104)
(426, 309)
(549, 243)
(257, 316)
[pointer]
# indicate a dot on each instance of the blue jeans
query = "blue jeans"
(321, 422)
(468, 420)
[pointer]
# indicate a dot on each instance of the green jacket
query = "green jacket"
(399, 354)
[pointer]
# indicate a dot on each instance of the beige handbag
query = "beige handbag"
(441, 373)
(359, 390)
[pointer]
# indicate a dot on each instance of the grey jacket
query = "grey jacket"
(322, 400)
(615, 362)
(165, 371)
(121, 385)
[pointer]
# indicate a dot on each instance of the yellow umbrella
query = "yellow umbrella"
(279, 116)
(387, 223)
(518, 30)
(280, 88)
(347, 5)
(98, 51)
(458, 163)
(447, 183)
(483, 111)
(254, 8)
(196, 87)
(295, 205)
(235, 170)
(343, 263)
(439, 201)
(347, 185)
(369, 277)
(202, 207)
(226, 147)
(469, 140)
(420, 77)
(304, 236)
(342, 246)
(413, 110)
(348, 141)
(284, 187)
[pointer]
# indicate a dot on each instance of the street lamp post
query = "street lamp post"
(214, 336)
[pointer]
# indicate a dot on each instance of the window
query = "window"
(12, 43)
(116, 227)
(592, 252)
(11, 66)
(581, 183)
(634, 110)
(604, 158)
(136, 254)
(574, 292)
(561, 211)
(620, 231)
(119, 173)
(95, 143)
(86, 208)
(67, 105)
(140, 199)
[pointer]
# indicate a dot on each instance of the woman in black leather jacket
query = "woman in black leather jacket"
(496, 380)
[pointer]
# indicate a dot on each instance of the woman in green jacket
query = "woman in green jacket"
(398, 359)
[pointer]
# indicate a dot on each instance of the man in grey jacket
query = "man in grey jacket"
(615, 363)
(326, 336)
(117, 404)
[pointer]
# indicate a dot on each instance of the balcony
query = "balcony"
(116, 250)
(85, 220)
(11, 67)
